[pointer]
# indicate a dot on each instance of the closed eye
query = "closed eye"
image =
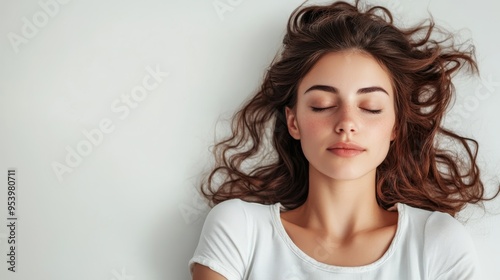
(319, 109)
(372, 111)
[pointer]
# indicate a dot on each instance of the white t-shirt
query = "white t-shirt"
(243, 240)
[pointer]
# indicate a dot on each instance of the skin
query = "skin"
(201, 272)
(340, 223)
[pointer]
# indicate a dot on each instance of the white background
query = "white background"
(128, 209)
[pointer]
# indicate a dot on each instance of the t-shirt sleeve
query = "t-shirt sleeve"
(222, 244)
(449, 251)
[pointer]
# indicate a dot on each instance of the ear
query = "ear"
(393, 133)
(291, 123)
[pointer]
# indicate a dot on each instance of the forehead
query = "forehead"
(348, 71)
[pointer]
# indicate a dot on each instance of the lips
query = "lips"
(345, 149)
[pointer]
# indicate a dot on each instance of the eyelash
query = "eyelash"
(373, 111)
(316, 109)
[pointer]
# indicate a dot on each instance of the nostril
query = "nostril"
(350, 129)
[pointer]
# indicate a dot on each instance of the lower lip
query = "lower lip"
(346, 152)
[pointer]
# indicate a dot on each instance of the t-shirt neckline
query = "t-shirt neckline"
(276, 209)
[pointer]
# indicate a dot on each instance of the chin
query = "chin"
(344, 174)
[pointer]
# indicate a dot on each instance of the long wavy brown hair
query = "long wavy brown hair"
(259, 161)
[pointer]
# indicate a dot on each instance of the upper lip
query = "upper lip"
(346, 146)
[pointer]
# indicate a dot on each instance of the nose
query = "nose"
(345, 122)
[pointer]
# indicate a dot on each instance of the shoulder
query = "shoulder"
(240, 204)
(435, 225)
(443, 232)
(236, 218)
(225, 243)
(448, 249)
(416, 217)
(237, 210)
(438, 230)
(443, 226)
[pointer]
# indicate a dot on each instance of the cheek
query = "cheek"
(383, 128)
(311, 126)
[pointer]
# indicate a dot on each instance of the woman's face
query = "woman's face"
(344, 116)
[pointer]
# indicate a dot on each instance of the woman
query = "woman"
(353, 182)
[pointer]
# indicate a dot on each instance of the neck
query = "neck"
(341, 208)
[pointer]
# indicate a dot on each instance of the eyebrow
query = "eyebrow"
(335, 90)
